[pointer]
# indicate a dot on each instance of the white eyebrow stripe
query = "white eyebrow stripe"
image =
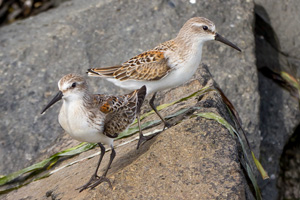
(197, 24)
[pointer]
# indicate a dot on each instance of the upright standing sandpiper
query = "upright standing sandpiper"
(95, 118)
(168, 65)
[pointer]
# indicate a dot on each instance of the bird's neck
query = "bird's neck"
(190, 49)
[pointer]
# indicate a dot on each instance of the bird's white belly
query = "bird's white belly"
(75, 122)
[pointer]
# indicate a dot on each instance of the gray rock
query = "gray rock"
(194, 159)
(284, 19)
(279, 118)
(37, 52)
(277, 47)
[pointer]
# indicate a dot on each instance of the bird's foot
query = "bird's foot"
(144, 139)
(93, 182)
(166, 125)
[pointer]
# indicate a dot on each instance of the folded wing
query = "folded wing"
(148, 66)
(121, 110)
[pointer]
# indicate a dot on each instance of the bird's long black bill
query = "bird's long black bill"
(57, 97)
(220, 38)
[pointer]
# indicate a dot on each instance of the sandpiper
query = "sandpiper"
(168, 65)
(95, 118)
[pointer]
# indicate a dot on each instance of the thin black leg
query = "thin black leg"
(151, 102)
(103, 177)
(140, 129)
(95, 177)
(142, 138)
(101, 157)
(112, 157)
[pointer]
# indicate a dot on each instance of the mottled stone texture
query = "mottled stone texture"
(196, 158)
(37, 52)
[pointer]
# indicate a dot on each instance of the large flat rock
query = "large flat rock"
(194, 159)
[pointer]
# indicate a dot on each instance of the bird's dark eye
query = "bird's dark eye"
(205, 28)
(74, 85)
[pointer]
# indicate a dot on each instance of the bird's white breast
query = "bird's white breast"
(74, 119)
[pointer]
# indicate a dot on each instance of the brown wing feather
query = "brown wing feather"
(151, 65)
(121, 110)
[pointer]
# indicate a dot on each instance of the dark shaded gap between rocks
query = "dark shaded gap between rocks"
(289, 179)
(274, 132)
(271, 121)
